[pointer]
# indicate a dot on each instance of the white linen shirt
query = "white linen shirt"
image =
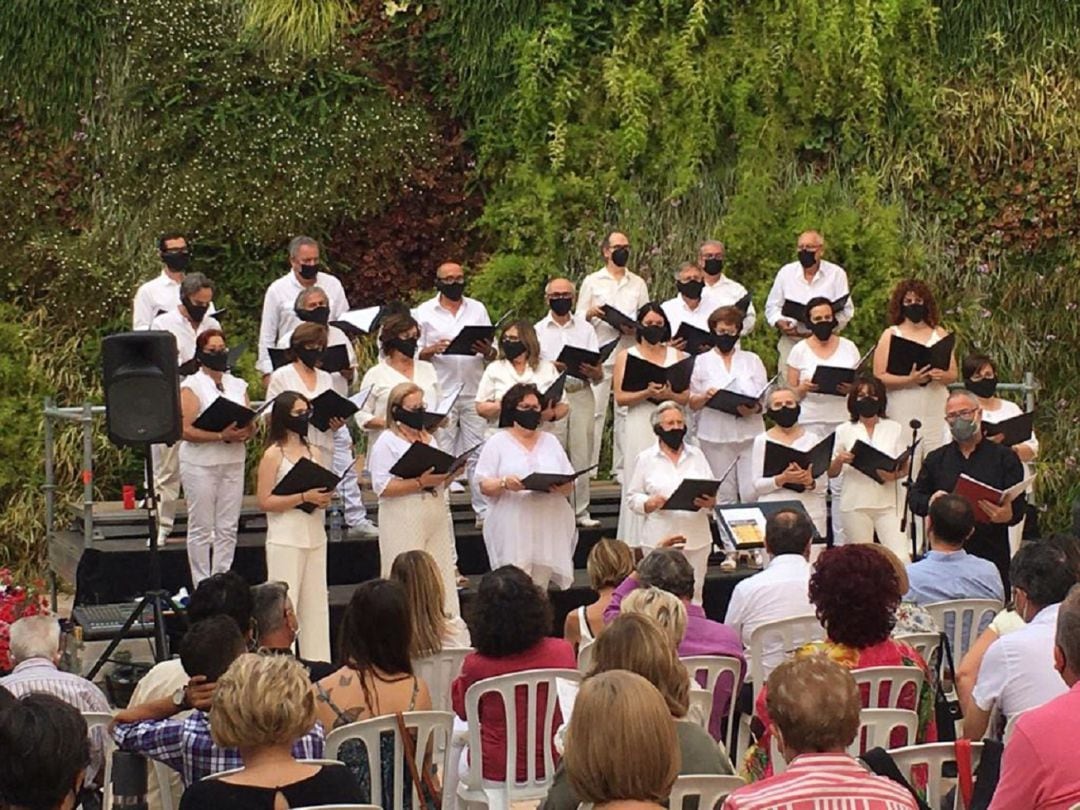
(501, 375)
(438, 323)
(678, 311)
(860, 491)
(279, 310)
(159, 294)
(726, 292)
(830, 281)
(334, 337)
(656, 474)
(747, 376)
(174, 321)
(382, 378)
(386, 452)
(286, 378)
(627, 294)
(827, 409)
(553, 336)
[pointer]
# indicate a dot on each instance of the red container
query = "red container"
(129, 496)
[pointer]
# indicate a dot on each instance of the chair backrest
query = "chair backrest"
(585, 654)
(877, 725)
(707, 671)
(700, 710)
(931, 760)
(512, 688)
(962, 620)
(709, 790)
(97, 726)
(789, 633)
(429, 730)
(925, 644)
(438, 671)
(886, 684)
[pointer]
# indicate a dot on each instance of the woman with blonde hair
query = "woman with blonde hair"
(666, 609)
(433, 629)
(414, 513)
(261, 706)
(609, 563)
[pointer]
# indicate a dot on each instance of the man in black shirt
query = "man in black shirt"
(992, 464)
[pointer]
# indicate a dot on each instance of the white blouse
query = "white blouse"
(210, 454)
(502, 456)
(656, 474)
(334, 337)
(765, 486)
(287, 378)
(823, 408)
(501, 375)
(1007, 410)
(860, 491)
(388, 448)
(747, 376)
(382, 377)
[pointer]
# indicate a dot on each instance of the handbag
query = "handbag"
(946, 708)
(430, 795)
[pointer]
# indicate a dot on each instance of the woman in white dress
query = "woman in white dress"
(518, 362)
(868, 507)
(783, 409)
(653, 334)
(414, 513)
(724, 438)
(295, 539)
(534, 531)
(211, 462)
(658, 472)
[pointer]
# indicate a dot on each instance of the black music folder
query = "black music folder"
(697, 340)
(188, 368)
(223, 412)
(334, 358)
(305, 475)
(870, 461)
(359, 322)
(817, 459)
(420, 458)
(329, 404)
(1015, 431)
(829, 378)
(553, 394)
(542, 482)
(617, 318)
(682, 499)
(797, 312)
(442, 408)
(729, 401)
(743, 303)
(904, 354)
(574, 357)
(462, 344)
(639, 373)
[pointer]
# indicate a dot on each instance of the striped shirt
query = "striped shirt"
(822, 782)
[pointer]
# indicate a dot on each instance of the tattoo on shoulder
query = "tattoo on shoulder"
(345, 680)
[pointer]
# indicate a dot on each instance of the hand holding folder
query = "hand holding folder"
(795, 311)
(639, 373)
(872, 462)
(573, 358)
(1011, 431)
(420, 458)
(686, 495)
(975, 491)
(330, 405)
(695, 340)
(304, 476)
(224, 412)
(906, 355)
(544, 482)
(779, 457)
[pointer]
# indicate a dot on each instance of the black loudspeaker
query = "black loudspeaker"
(142, 388)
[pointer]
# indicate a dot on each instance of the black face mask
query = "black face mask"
(982, 388)
(807, 258)
(407, 346)
(691, 289)
(620, 256)
(196, 311)
(785, 417)
(561, 306)
(916, 313)
(413, 419)
(673, 438)
(309, 271)
(309, 357)
(867, 407)
(724, 342)
(215, 361)
(298, 423)
(453, 290)
(177, 262)
(714, 267)
(317, 315)
(822, 329)
(512, 349)
(651, 334)
(530, 420)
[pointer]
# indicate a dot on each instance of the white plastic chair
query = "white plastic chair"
(966, 618)
(791, 633)
(473, 788)
(432, 733)
(709, 790)
(585, 654)
(925, 644)
(895, 678)
(877, 725)
(101, 720)
(700, 710)
(932, 758)
(438, 671)
(713, 667)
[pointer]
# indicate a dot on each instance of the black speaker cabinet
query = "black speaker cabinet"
(142, 388)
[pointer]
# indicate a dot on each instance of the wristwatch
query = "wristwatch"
(180, 699)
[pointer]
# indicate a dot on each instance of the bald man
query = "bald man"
(626, 291)
(560, 328)
(808, 277)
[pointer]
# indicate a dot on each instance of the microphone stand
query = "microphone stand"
(915, 425)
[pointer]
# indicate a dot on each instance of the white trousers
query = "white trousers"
(214, 497)
(304, 569)
(166, 461)
(343, 462)
(420, 523)
(575, 433)
(465, 428)
(601, 396)
(738, 486)
(861, 524)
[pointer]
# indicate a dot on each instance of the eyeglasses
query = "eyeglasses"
(553, 296)
(712, 255)
(616, 247)
(809, 247)
(452, 280)
(970, 413)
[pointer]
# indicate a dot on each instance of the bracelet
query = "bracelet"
(303, 497)
(502, 482)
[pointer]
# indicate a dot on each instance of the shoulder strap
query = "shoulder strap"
(415, 691)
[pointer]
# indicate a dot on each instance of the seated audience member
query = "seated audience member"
(814, 704)
(669, 570)
(781, 591)
(44, 754)
(7, 699)
(432, 628)
(855, 592)
(636, 644)
(910, 618)
(262, 706)
(376, 678)
(511, 625)
(622, 752)
(947, 571)
(185, 745)
(609, 563)
(1017, 672)
(35, 649)
(1041, 767)
(276, 626)
(666, 609)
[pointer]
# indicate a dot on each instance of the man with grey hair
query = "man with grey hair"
(276, 626)
(688, 305)
(992, 464)
(721, 291)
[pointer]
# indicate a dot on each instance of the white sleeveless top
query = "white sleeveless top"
(295, 527)
(587, 636)
(210, 454)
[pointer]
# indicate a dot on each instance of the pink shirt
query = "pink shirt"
(1041, 766)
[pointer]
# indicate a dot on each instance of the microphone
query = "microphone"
(915, 424)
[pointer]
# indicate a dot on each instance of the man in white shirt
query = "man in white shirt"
(781, 591)
(441, 319)
(186, 321)
(279, 303)
(560, 328)
(688, 305)
(618, 287)
(721, 291)
(162, 293)
(798, 282)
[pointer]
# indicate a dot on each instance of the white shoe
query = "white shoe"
(480, 521)
(588, 522)
(364, 530)
(456, 486)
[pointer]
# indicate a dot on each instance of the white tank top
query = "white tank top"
(210, 454)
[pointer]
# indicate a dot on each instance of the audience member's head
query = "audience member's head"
(1067, 640)
(44, 753)
(35, 637)
(1070, 547)
(510, 614)
(814, 705)
(666, 609)
(637, 644)
(856, 592)
(951, 522)
(7, 700)
(262, 701)
(376, 631)
(609, 563)
(209, 647)
(1041, 576)
(417, 573)
(273, 616)
(898, 566)
(621, 743)
(788, 531)
(669, 570)
(225, 594)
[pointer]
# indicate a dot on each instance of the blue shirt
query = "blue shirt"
(942, 576)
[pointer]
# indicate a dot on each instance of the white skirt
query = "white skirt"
(532, 530)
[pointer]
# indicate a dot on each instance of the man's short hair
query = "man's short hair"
(951, 519)
(210, 646)
(192, 283)
(45, 746)
(669, 570)
(815, 704)
(1041, 570)
(169, 236)
(298, 242)
(35, 637)
(269, 607)
(1068, 629)
(788, 531)
(306, 293)
(225, 594)
(963, 393)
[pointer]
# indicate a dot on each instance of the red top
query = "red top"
(548, 653)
